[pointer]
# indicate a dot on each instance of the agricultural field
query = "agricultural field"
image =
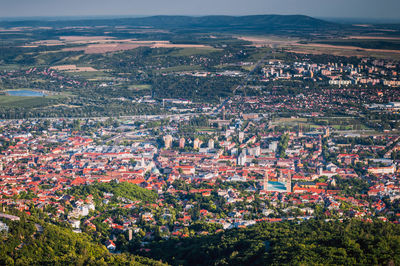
(26, 102)
(193, 51)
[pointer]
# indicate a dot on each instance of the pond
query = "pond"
(30, 93)
(276, 186)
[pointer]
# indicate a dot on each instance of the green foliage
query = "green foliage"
(124, 189)
(21, 101)
(282, 146)
(24, 245)
(309, 243)
(351, 186)
(194, 88)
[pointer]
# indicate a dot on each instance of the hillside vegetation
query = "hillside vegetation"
(123, 189)
(309, 243)
(26, 245)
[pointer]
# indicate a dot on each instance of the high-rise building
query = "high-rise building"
(130, 235)
(289, 183)
(182, 143)
(211, 144)
(242, 158)
(265, 181)
(241, 136)
(326, 132)
(196, 144)
(167, 141)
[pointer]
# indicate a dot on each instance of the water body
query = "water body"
(29, 93)
(276, 186)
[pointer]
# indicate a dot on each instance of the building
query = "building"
(168, 141)
(254, 151)
(187, 169)
(196, 144)
(273, 146)
(211, 144)
(241, 136)
(326, 132)
(75, 224)
(3, 227)
(182, 143)
(265, 181)
(340, 82)
(242, 158)
(110, 245)
(9, 217)
(382, 170)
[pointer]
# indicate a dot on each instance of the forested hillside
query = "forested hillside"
(28, 243)
(125, 190)
(308, 243)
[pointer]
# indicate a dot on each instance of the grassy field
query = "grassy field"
(90, 75)
(368, 43)
(338, 123)
(180, 68)
(295, 122)
(343, 51)
(194, 51)
(9, 67)
(71, 59)
(140, 87)
(208, 129)
(284, 121)
(20, 101)
(261, 52)
(248, 68)
(387, 48)
(29, 101)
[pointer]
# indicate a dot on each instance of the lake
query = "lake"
(30, 93)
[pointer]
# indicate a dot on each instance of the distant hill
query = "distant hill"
(257, 23)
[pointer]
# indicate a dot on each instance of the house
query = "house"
(75, 224)
(382, 170)
(348, 158)
(186, 169)
(110, 245)
(3, 227)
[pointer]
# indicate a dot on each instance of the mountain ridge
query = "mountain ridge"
(224, 23)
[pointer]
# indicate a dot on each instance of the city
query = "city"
(199, 140)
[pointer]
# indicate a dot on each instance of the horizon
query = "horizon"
(344, 20)
(362, 10)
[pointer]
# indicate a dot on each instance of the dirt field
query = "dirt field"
(102, 48)
(84, 38)
(123, 45)
(105, 44)
(345, 51)
(372, 38)
(73, 68)
(293, 45)
(268, 41)
(172, 45)
(329, 46)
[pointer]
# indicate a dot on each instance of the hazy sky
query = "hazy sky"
(389, 9)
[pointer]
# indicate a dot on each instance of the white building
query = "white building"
(242, 158)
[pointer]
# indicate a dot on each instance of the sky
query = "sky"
(373, 9)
